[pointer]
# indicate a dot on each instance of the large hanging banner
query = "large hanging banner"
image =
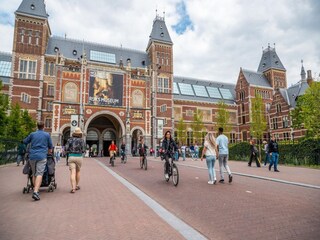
(105, 88)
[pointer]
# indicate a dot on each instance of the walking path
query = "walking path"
(107, 206)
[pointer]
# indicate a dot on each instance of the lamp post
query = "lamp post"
(269, 123)
(155, 68)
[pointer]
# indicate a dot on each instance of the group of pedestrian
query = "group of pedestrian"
(271, 150)
(216, 148)
(41, 145)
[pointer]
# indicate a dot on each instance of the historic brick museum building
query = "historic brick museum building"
(114, 93)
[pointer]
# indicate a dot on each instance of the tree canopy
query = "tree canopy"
(307, 112)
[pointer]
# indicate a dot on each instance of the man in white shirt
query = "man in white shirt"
(222, 142)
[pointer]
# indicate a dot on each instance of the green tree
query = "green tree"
(28, 123)
(307, 111)
(223, 117)
(258, 123)
(197, 125)
(14, 127)
(4, 106)
(181, 132)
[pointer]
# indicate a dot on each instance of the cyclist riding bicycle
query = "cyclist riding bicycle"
(169, 146)
(142, 148)
(123, 150)
(112, 150)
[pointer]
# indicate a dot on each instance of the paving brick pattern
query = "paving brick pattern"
(248, 208)
(102, 209)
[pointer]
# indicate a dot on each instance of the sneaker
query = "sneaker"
(230, 178)
(36, 196)
(166, 176)
(210, 182)
(215, 181)
(221, 181)
(276, 170)
(270, 167)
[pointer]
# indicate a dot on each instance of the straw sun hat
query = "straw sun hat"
(77, 132)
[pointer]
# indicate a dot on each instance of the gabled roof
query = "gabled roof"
(270, 60)
(292, 93)
(35, 8)
(191, 89)
(159, 31)
(256, 78)
(73, 49)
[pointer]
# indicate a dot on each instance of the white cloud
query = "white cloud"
(226, 35)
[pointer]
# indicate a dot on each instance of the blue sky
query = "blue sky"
(184, 19)
(212, 39)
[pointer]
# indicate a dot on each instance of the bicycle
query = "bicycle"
(112, 159)
(172, 171)
(123, 157)
(144, 162)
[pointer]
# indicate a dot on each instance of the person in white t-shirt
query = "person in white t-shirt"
(222, 142)
(210, 151)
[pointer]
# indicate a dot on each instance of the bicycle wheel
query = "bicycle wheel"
(112, 162)
(164, 173)
(175, 175)
(145, 163)
(125, 158)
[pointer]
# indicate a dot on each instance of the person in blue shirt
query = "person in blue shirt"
(222, 142)
(40, 145)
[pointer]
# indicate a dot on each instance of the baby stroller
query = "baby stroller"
(48, 178)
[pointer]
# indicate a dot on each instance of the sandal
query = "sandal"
(72, 191)
(77, 187)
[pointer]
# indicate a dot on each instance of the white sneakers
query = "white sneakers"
(212, 182)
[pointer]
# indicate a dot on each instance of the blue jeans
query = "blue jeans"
(210, 163)
(274, 160)
(267, 159)
(183, 155)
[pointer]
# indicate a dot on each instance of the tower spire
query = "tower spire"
(303, 73)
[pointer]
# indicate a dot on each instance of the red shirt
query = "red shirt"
(113, 147)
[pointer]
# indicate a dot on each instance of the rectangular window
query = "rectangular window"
(22, 32)
(226, 94)
(51, 69)
(233, 138)
(214, 92)
(50, 90)
(27, 69)
(189, 113)
(175, 88)
(5, 68)
(163, 108)
(200, 91)
(243, 119)
(49, 106)
(274, 123)
(163, 85)
(186, 89)
(286, 136)
(102, 57)
(26, 98)
(285, 122)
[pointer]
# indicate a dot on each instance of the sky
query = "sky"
(212, 39)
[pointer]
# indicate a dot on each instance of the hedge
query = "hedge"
(306, 152)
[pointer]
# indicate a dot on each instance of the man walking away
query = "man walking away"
(274, 154)
(41, 145)
(222, 142)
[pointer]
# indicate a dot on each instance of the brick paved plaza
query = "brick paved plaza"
(258, 205)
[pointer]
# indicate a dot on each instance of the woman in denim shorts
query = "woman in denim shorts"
(75, 149)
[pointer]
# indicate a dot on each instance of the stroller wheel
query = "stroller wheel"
(55, 186)
(24, 190)
(28, 190)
